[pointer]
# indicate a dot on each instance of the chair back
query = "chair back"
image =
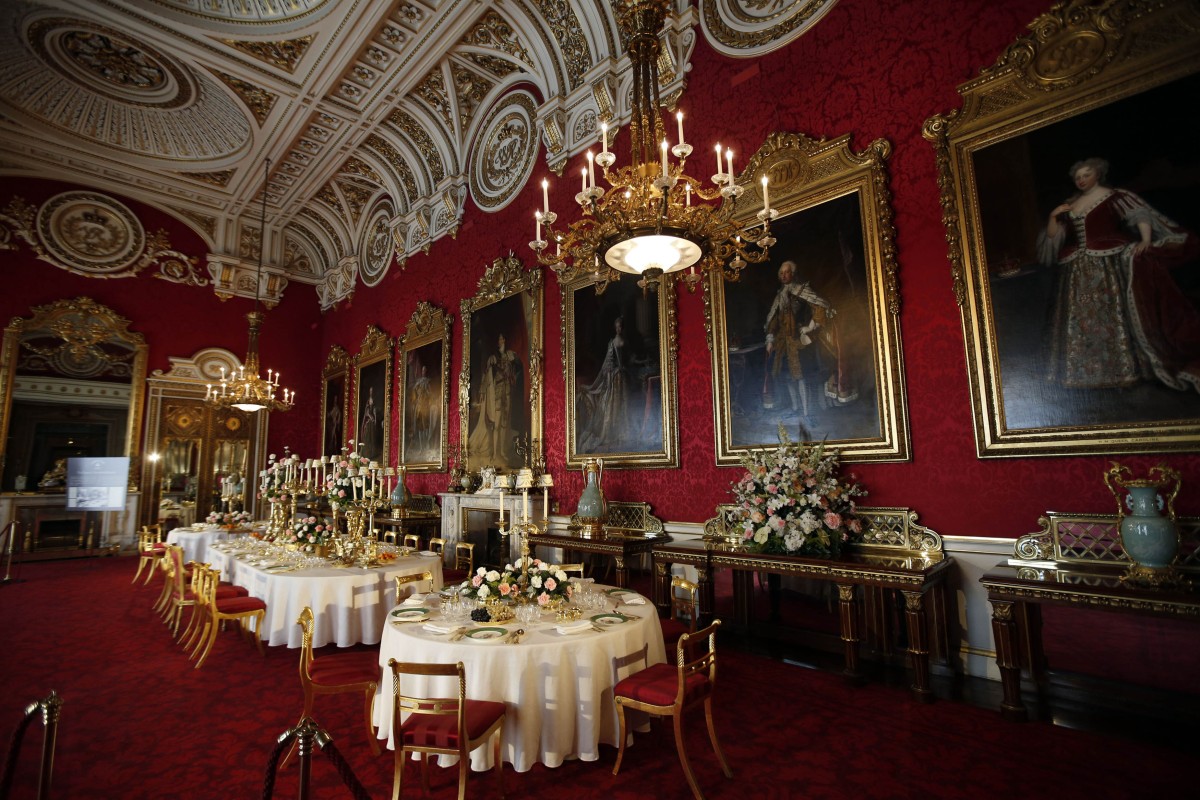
(149, 536)
(176, 574)
(697, 656)
(406, 704)
(685, 605)
(464, 556)
(412, 540)
(437, 544)
(416, 577)
(306, 621)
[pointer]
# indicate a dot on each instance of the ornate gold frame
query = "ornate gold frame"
(376, 347)
(1079, 57)
(805, 173)
(504, 278)
(337, 365)
(668, 345)
(428, 324)
(81, 323)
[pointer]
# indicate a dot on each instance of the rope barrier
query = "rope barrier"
(307, 731)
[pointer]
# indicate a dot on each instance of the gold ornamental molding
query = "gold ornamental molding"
(749, 28)
(285, 54)
(95, 236)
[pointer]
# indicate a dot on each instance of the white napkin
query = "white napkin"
(578, 626)
(440, 627)
(633, 600)
(413, 600)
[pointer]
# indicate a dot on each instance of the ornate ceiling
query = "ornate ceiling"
(379, 117)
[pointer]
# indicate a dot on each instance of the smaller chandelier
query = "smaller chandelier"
(244, 388)
(654, 219)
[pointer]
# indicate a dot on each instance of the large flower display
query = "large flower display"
(544, 583)
(792, 500)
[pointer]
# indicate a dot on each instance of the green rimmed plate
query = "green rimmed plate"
(490, 634)
(605, 620)
(410, 614)
(618, 590)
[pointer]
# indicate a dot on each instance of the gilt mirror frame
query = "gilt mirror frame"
(1087, 82)
(424, 405)
(834, 226)
(508, 302)
(335, 400)
(82, 324)
(373, 396)
(643, 373)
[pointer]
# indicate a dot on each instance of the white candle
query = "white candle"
(538, 217)
(591, 169)
(718, 158)
(501, 505)
(766, 196)
(604, 137)
(687, 194)
(679, 123)
(583, 175)
(545, 196)
(664, 157)
(525, 518)
(545, 504)
(729, 163)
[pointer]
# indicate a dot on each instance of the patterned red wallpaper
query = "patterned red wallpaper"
(868, 69)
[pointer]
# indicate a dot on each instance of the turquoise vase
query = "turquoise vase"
(1149, 538)
(591, 510)
(400, 495)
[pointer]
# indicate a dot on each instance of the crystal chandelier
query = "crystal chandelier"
(244, 388)
(654, 219)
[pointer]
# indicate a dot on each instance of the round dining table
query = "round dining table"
(195, 541)
(349, 604)
(558, 687)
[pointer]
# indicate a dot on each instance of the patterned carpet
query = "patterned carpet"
(139, 722)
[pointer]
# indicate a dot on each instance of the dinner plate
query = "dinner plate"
(619, 590)
(428, 554)
(411, 614)
(605, 620)
(487, 634)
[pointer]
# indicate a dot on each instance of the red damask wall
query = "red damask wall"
(868, 69)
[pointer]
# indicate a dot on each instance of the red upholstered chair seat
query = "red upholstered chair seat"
(157, 549)
(658, 686)
(672, 629)
(426, 731)
(238, 605)
(344, 668)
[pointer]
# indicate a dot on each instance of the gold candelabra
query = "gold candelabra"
(525, 526)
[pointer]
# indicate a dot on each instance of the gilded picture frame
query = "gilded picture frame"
(810, 339)
(500, 389)
(335, 400)
(620, 349)
(423, 389)
(373, 396)
(1078, 134)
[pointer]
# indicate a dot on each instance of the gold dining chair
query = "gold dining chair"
(666, 690)
(685, 611)
(337, 673)
(438, 545)
(464, 563)
(412, 540)
(442, 725)
(575, 568)
(150, 550)
(218, 610)
(416, 577)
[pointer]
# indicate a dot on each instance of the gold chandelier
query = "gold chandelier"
(244, 388)
(654, 219)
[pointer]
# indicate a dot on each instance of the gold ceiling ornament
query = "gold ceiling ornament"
(245, 389)
(655, 219)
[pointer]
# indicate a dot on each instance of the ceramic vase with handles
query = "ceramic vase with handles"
(1149, 539)
(592, 511)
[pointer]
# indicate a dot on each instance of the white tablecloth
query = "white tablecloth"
(195, 543)
(349, 604)
(558, 688)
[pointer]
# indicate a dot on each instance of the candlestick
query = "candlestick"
(718, 158)
(729, 163)
(766, 197)
(538, 217)
(545, 197)
(501, 506)
(525, 516)
(545, 505)
(679, 122)
(583, 174)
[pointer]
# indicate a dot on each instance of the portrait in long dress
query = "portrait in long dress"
(423, 392)
(499, 413)
(334, 419)
(371, 399)
(621, 403)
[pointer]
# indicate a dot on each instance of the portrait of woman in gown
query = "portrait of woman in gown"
(491, 438)
(1119, 316)
(604, 405)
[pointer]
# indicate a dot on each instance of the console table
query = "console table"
(631, 530)
(896, 555)
(1074, 560)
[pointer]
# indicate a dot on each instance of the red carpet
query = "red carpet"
(139, 722)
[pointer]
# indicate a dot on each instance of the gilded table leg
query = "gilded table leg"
(743, 597)
(848, 610)
(662, 587)
(1004, 631)
(622, 572)
(918, 644)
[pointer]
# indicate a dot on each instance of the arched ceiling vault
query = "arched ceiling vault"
(365, 109)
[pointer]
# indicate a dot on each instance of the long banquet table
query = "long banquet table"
(349, 604)
(196, 541)
(558, 687)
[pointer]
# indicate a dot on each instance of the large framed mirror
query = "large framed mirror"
(72, 383)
